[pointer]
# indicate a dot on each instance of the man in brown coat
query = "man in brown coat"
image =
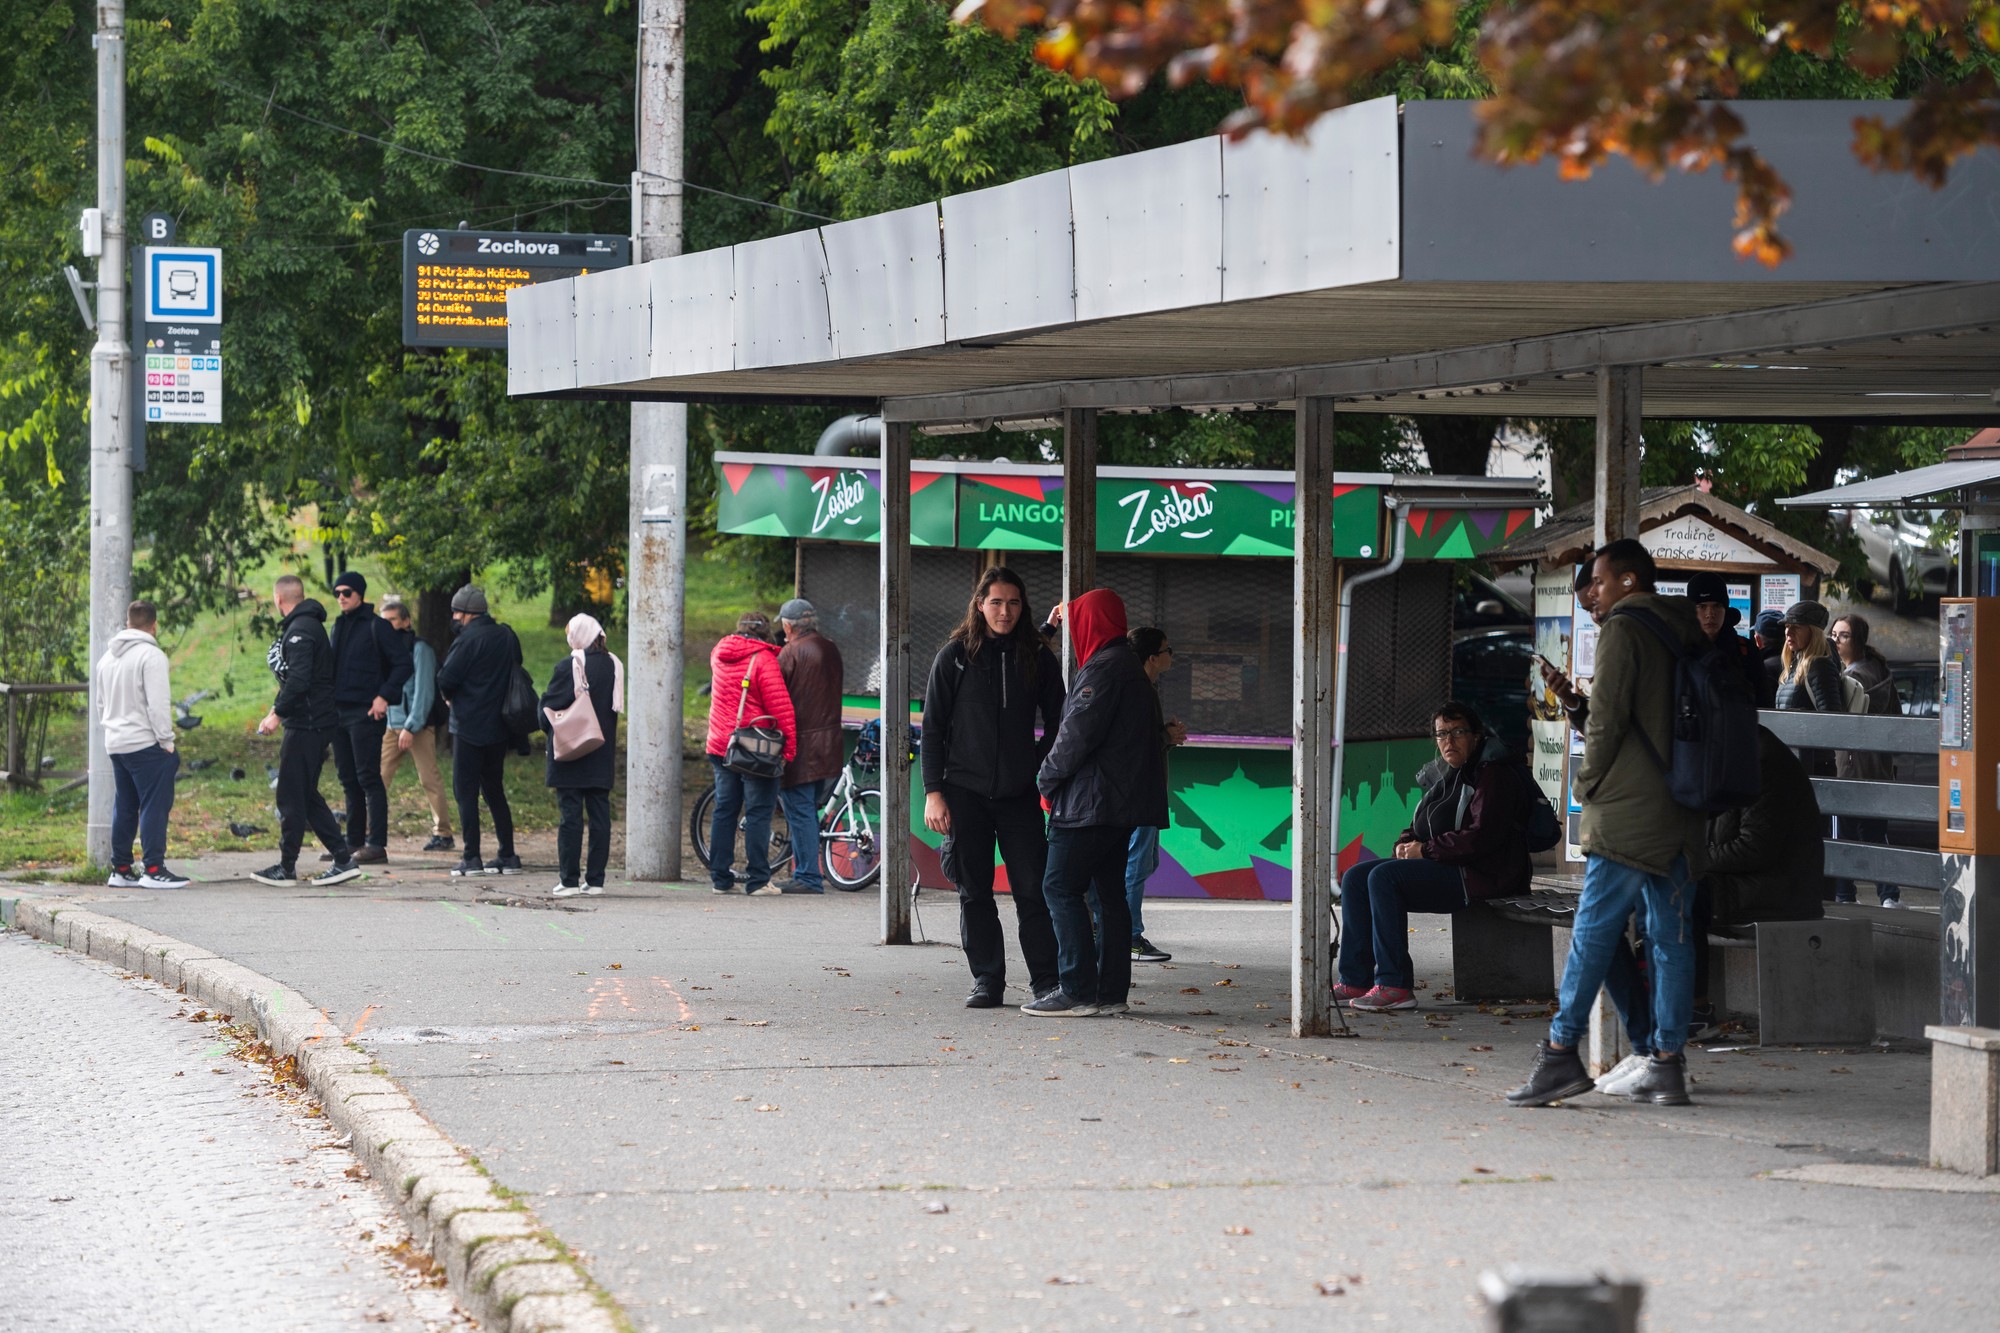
(813, 673)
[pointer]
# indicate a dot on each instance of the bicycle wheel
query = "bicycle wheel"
(702, 818)
(850, 842)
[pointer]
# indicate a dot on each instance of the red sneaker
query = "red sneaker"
(1383, 1000)
(1347, 994)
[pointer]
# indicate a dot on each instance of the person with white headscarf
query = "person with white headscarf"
(583, 784)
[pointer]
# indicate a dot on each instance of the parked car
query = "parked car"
(1490, 670)
(1909, 552)
(1917, 689)
(1481, 603)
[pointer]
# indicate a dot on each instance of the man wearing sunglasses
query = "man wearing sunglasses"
(371, 664)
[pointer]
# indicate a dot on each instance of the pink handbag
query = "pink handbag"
(573, 731)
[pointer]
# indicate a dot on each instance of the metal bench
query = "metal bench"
(1814, 980)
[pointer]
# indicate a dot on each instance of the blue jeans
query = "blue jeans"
(1095, 966)
(1142, 858)
(802, 805)
(1376, 899)
(1611, 893)
(143, 796)
(751, 800)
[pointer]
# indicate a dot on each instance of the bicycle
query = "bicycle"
(850, 821)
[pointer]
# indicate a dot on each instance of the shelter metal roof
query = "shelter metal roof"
(1375, 238)
(1565, 538)
(1903, 488)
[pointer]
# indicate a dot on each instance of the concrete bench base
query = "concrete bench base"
(1496, 958)
(1965, 1099)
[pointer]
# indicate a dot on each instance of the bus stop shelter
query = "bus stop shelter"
(1372, 266)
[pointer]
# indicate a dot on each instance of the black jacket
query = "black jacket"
(979, 719)
(474, 680)
(303, 663)
(1476, 820)
(1766, 861)
(599, 768)
(1106, 768)
(370, 659)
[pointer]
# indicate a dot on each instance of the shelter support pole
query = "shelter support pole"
(110, 431)
(656, 565)
(1079, 567)
(1314, 824)
(1619, 412)
(897, 885)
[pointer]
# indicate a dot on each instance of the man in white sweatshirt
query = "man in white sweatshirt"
(139, 737)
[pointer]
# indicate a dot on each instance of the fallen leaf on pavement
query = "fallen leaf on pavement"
(1236, 1231)
(937, 1206)
(767, 1107)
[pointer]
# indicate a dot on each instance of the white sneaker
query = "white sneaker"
(125, 878)
(569, 891)
(159, 877)
(1622, 1076)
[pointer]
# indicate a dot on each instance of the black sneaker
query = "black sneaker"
(439, 843)
(506, 865)
(1558, 1074)
(159, 877)
(1144, 951)
(1664, 1083)
(278, 877)
(469, 865)
(983, 998)
(122, 877)
(343, 870)
(1057, 1004)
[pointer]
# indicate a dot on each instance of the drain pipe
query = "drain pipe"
(1398, 547)
(848, 433)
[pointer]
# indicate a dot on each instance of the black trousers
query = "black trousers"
(1014, 825)
(481, 770)
(357, 757)
(578, 804)
(301, 756)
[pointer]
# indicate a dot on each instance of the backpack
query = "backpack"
(521, 706)
(1544, 829)
(1714, 760)
(1853, 694)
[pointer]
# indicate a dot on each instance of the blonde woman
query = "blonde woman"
(1810, 681)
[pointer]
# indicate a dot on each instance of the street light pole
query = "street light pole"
(110, 431)
(655, 576)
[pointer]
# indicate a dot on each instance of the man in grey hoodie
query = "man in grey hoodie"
(132, 699)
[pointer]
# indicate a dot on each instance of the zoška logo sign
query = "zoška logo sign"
(840, 496)
(1157, 510)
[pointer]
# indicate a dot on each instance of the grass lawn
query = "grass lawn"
(43, 830)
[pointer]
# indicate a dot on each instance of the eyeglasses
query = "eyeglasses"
(1452, 733)
(1841, 634)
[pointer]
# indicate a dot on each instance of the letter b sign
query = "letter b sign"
(156, 229)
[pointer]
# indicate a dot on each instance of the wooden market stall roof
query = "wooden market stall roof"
(1565, 539)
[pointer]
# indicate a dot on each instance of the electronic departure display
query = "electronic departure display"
(455, 283)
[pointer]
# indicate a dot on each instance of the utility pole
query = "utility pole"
(656, 570)
(110, 432)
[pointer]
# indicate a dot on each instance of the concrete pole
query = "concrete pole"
(897, 882)
(1619, 411)
(656, 571)
(110, 432)
(1079, 566)
(1314, 579)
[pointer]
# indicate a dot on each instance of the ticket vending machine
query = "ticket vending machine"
(1969, 811)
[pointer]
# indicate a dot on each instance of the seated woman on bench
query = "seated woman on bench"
(1466, 842)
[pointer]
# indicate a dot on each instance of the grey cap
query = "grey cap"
(1806, 613)
(797, 609)
(470, 600)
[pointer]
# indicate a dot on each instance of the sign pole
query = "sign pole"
(110, 439)
(655, 576)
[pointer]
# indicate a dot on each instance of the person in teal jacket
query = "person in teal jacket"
(409, 730)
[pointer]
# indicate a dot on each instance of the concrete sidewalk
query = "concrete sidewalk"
(745, 1114)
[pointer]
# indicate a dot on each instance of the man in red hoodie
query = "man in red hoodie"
(1104, 777)
(747, 688)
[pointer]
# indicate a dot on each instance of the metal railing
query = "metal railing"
(1855, 798)
(17, 772)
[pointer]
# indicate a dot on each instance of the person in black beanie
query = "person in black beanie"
(371, 664)
(474, 681)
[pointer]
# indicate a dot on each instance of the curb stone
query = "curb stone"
(503, 1265)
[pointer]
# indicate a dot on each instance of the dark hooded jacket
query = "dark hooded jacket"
(1106, 768)
(979, 718)
(475, 677)
(1766, 861)
(1476, 820)
(370, 659)
(302, 661)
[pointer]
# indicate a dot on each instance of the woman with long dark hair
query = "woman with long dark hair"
(980, 755)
